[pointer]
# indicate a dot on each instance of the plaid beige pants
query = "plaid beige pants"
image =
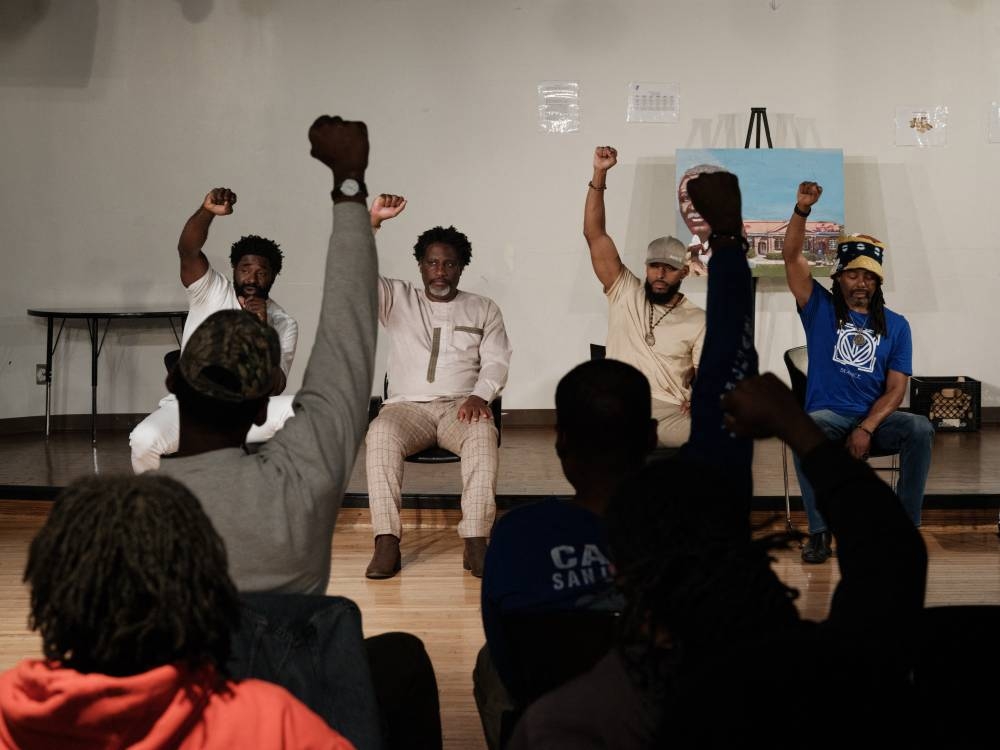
(404, 428)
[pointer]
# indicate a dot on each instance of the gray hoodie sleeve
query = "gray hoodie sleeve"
(320, 443)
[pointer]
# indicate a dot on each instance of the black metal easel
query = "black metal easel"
(758, 117)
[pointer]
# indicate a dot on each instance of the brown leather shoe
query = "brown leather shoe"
(386, 561)
(474, 555)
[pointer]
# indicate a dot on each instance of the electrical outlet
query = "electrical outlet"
(40, 374)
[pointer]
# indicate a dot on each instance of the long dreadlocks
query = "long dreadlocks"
(876, 308)
(128, 574)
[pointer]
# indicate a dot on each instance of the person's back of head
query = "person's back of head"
(684, 564)
(225, 374)
(603, 419)
(703, 606)
(128, 574)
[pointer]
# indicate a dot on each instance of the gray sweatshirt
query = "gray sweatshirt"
(276, 509)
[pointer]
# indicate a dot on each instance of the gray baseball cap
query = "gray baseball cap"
(669, 250)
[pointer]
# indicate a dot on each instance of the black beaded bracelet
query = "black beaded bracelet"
(594, 187)
(803, 214)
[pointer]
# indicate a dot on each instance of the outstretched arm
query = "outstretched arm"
(603, 253)
(385, 206)
(796, 266)
(194, 264)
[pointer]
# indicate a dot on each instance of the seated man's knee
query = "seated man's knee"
(147, 443)
(921, 428)
(483, 431)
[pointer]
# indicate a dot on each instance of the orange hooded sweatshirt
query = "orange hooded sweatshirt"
(43, 705)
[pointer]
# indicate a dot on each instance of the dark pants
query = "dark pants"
(406, 690)
(377, 692)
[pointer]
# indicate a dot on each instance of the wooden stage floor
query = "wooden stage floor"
(439, 602)
(965, 470)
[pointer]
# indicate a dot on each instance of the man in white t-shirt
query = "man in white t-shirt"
(448, 359)
(256, 262)
(651, 326)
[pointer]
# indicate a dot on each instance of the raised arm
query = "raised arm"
(797, 271)
(385, 206)
(194, 264)
(331, 408)
(728, 354)
(603, 253)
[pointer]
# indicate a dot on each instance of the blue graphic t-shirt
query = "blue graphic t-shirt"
(848, 366)
(547, 556)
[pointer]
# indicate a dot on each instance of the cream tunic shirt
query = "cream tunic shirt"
(442, 349)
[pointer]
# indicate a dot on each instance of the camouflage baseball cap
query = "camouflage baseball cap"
(231, 357)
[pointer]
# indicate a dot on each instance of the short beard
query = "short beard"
(258, 291)
(439, 295)
(661, 298)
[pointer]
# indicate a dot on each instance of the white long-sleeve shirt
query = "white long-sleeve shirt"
(442, 349)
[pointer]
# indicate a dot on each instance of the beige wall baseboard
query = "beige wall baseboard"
(511, 418)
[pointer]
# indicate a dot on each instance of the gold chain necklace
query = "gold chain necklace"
(650, 338)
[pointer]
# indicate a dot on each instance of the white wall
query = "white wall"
(116, 118)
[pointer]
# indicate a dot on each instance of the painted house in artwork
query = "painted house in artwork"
(766, 239)
(769, 178)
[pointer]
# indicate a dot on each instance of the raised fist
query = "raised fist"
(340, 144)
(716, 196)
(605, 157)
(386, 206)
(220, 201)
(809, 193)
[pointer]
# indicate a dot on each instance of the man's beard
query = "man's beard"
(661, 298)
(255, 291)
(439, 291)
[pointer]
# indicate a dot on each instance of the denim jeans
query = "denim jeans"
(313, 647)
(910, 435)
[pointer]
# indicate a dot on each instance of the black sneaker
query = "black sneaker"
(817, 549)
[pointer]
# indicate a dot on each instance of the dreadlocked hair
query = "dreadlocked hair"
(876, 309)
(445, 236)
(129, 574)
(685, 564)
(254, 245)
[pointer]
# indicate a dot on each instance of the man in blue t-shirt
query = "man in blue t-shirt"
(553, 555)
(860, 360)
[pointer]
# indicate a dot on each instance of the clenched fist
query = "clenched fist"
(219, 201)
(340, 144)
(605, 157)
